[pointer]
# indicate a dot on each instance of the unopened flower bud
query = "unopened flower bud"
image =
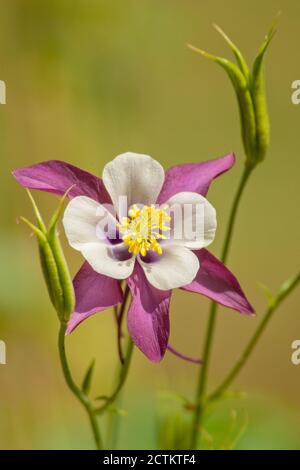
(54, 266)
(249, 87)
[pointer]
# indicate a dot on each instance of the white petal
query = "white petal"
(85, 222)
(193, 222)
(135, 176)
(176, 267)
(107, 260)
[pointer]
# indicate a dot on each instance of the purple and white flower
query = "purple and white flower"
(146, 249)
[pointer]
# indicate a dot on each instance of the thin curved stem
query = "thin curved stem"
(82, 397)
(119, 317)
(122, 379)
(119, 334)
(283, 293)
(124, 368)
(203, 373)
(114, 420)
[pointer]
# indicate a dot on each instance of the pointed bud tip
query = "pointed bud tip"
(196, 49)
(219, 30)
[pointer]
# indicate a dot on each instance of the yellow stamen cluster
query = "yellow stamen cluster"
(143, 227)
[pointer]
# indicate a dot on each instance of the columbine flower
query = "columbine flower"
(146, 251)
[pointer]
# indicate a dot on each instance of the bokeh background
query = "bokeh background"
(87, 80)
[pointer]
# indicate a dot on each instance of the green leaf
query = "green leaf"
(268, 294)
(173, 431)
(87, 381)
(118, 411)
(237, 427)
(208, 439)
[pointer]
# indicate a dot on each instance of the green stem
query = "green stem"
(114, 418)
(119, 317)
(203, 373)
(82, 397)
(233, 213)
(252, 343)
(122, 379)
(124, 367)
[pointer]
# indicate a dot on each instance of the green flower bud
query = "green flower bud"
(259, 100)
(249, 88)
(54, 266)
(87, 380)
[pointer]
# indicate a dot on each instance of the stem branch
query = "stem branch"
(283, 293)
(122, 378)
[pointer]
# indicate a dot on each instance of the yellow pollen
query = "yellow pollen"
(143, 228)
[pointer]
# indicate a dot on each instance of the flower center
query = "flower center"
(143, 228)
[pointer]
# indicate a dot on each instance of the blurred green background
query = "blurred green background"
(87, 80)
